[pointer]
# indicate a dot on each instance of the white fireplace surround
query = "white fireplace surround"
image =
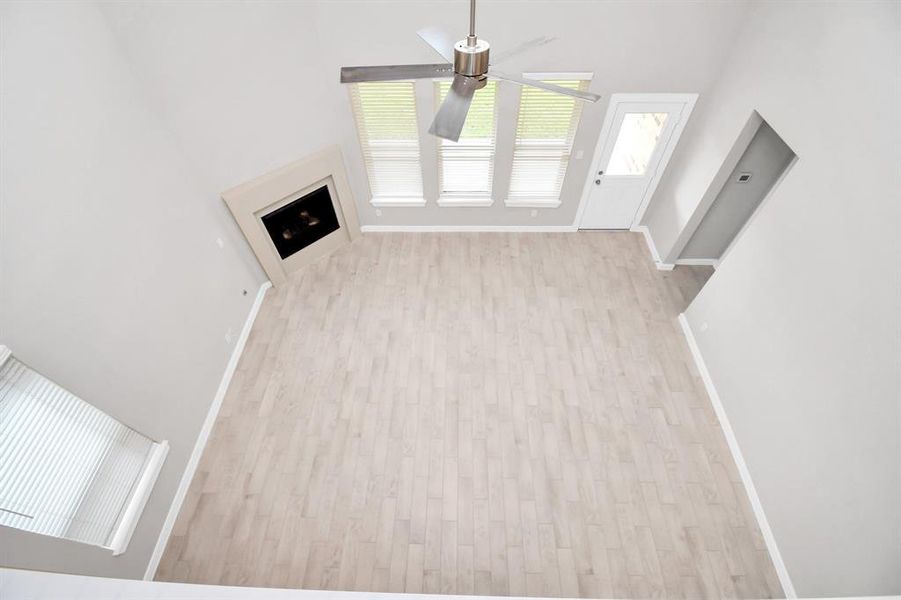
(250, 201)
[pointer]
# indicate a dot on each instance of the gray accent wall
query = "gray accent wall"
(764, 161)
(800, 327)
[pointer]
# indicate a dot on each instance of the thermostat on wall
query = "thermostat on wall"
(743, 178)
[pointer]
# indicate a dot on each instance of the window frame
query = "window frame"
(523, 201)
(466, 199)
(389, 200)
(133, 504)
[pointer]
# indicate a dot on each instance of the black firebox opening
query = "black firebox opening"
(298, 224)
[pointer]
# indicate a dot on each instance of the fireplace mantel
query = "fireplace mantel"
(251, 201)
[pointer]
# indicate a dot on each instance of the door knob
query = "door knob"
(597, 182)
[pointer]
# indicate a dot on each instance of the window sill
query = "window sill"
(464, 202)
(142, 491)
(531, 203)
(398, 202)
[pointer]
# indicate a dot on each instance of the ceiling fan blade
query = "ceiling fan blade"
(451, 116)
(525, 46)
(586, 96)
(440, 41)
(395, 72)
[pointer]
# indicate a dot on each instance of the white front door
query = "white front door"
(631, 155)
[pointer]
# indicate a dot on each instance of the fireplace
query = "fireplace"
(302, 222)
(297, 214)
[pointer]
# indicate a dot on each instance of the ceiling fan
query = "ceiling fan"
(468, 65)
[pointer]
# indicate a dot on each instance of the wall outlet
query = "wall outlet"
(229, 336)
(704, 326)
(220, 243)
(378, 212)
(534, 213)
(579, 154)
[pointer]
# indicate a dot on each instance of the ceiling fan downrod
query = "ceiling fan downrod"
(471, 54)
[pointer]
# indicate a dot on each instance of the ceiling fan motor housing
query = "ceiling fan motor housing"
(471, 57)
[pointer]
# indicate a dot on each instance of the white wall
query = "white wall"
(240, 82)
(251, 86)
(111, 281)
(803, 317)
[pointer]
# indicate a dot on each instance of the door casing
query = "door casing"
(688, 102)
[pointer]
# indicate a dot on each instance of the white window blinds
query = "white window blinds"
(385, 113)
(466, 168)
(67, 469)
(545, 130)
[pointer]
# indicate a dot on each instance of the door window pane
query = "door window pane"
(638, 136)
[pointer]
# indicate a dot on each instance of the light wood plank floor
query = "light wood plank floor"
(509, 414)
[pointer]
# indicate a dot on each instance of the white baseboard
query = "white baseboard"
(699, 262)
(661, 266)
(743, 471)
(468, 228)
(204, 435)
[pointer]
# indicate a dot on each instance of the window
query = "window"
(635, 143)
(389, 137)
(466, 168)
(67, 469)
(544, 137)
